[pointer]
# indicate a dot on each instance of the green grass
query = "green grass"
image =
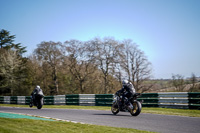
(37, 126)
(163, 111)
(168, 111)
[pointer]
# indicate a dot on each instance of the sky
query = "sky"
(168, 31)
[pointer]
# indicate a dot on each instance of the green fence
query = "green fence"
(194, 100)
(1, 99)
(103, 99)
(13, 99)
(27, 100)
(167, 100)
(72, 99)
(149, 99)
(49, 100)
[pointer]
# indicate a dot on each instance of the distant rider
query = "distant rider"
(36, 91)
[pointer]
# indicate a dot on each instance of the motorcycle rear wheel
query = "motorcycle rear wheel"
(137, 107)
(115, 108)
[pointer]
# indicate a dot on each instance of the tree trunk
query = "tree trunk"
(55, 81)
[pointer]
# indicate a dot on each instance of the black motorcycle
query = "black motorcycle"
(37, 101)
(133, 106)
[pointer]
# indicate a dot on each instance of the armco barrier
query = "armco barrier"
(59, 100)
(6, 100)
(173, 100)
(72, 99)
(182, 100)
(103, 99)
(149, 99)
(1, 99)
(21, 99)
(13, 99)
(27, 100)
(194, 100)
(87, 99)
(49, 100)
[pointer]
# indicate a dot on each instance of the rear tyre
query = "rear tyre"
(115, 108)
(137, 107)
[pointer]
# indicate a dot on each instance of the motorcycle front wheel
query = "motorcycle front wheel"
(137, 107)
(115, 108)
(39, 106)
(30, 105)
(40, 103)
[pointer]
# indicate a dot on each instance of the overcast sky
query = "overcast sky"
(168, 31)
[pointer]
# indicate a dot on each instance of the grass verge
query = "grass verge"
(37, 126)
(163, 111)
(168, 111)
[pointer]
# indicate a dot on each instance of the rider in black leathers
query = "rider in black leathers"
(126, 92)
(35, 92)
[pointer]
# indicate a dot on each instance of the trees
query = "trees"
(79, 63)
(122, 60)
(6, 40)
(12, 64)
(37, 73)
(105, 54)
(135, 65)
(96, 66)
(178, 82)
(116, 60)
(195, 86)
(51, 53)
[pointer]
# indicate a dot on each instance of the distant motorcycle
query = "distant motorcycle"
(134, 106)
(38, 100)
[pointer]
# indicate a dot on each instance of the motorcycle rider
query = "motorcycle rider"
(126, 92)
(36, 91)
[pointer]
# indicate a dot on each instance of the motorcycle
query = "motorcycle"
(37, 101)
(134, 106)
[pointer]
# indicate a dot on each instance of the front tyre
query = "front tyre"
(30, 105)
(137, 107)
(39, 106)
(40, 103)
(115, 108)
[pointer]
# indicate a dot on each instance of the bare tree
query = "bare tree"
(51, 53)
(105, 53)
(79, 62)
(178, 82)
(195, 86)
(136, 65)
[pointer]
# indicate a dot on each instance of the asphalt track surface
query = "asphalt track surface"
(148, 122)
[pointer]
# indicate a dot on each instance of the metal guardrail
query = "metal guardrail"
(182, 100)
(173, 100)
(72, 99)
(149, 99)
(87, 99)
(194, 100)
